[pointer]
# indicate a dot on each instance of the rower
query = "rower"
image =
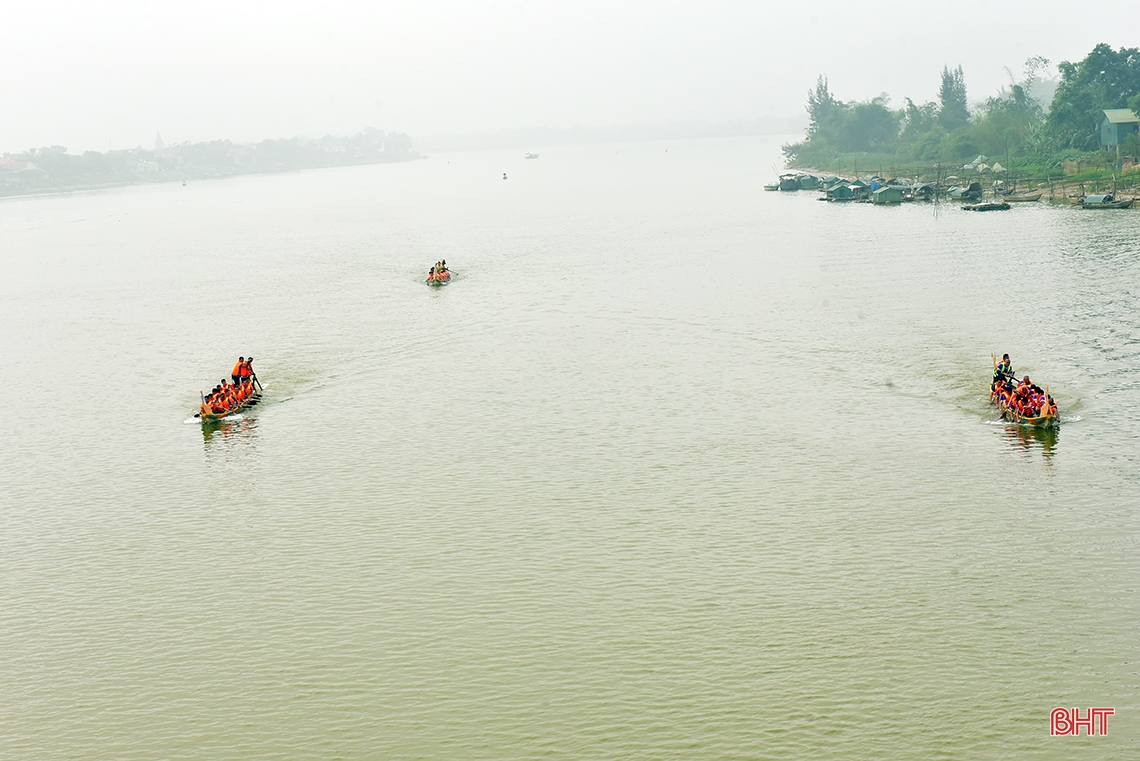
(1003, 368)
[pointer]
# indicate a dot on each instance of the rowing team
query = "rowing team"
(1023, 397)
(231, 396)
(439, 271)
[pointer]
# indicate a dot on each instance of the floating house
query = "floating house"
(888, 195)
(1116, 126)
(922, 191)
(841, 193)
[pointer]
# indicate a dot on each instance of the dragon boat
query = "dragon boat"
(1049, 418)
(439, 278)
(210, 416)
(210, 412)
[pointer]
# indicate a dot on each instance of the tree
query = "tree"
(1131, 146)
(1106, 78)
(1007, 121)
(921, 136)
(870, 126)
(822, 107)
(953, 112)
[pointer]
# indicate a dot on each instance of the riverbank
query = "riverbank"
(43, 186)
(1054, 181)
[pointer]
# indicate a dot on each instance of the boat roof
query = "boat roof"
(1120, 115)
(1097, 198)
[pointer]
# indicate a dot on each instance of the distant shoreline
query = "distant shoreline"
(77, 187)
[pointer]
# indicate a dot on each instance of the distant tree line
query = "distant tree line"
(53, 167)
(1015, 123)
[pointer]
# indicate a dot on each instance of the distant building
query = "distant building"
(1117, 124)
(887, 195)
(13, 164)
(158, 144)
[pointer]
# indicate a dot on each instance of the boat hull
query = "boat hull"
(213, 417)
(1110, 205)
(1010, 415)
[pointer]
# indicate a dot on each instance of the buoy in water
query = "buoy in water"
(504, 175)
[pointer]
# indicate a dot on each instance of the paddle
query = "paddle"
(255, 380)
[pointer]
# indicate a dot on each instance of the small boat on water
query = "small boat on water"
(531, 156)
(229, 399)
(1104, 201)
(1022, 197)
(439, 274)
(992, 206)
(1023, 404)
(773, 186)
(213, 414)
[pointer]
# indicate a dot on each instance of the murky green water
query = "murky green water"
(674, 469)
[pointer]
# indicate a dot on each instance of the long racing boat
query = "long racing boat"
(218, 406)
(1004, 395)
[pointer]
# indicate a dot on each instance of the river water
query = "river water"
(675, 468)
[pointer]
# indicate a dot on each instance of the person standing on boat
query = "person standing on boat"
(239, 370)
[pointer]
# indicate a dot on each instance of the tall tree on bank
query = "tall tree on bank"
(822, 108)
(953, 111)
(1106, 78)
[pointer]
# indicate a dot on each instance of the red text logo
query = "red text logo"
(1068, 721)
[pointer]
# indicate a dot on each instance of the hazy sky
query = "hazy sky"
(91, 77)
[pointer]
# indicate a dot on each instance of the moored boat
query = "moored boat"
(1104, 201)
(971, 192)
(1022, 197)
(992, 206)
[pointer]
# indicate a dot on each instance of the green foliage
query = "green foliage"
(869, 126)
(1007, 122)
(1105, 79)
(1011, 124)
(1131, 146)
(921, 136)
(823, 109)
(953, 112)
(960, 146)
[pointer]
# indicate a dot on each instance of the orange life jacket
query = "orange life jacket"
(238, 368)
